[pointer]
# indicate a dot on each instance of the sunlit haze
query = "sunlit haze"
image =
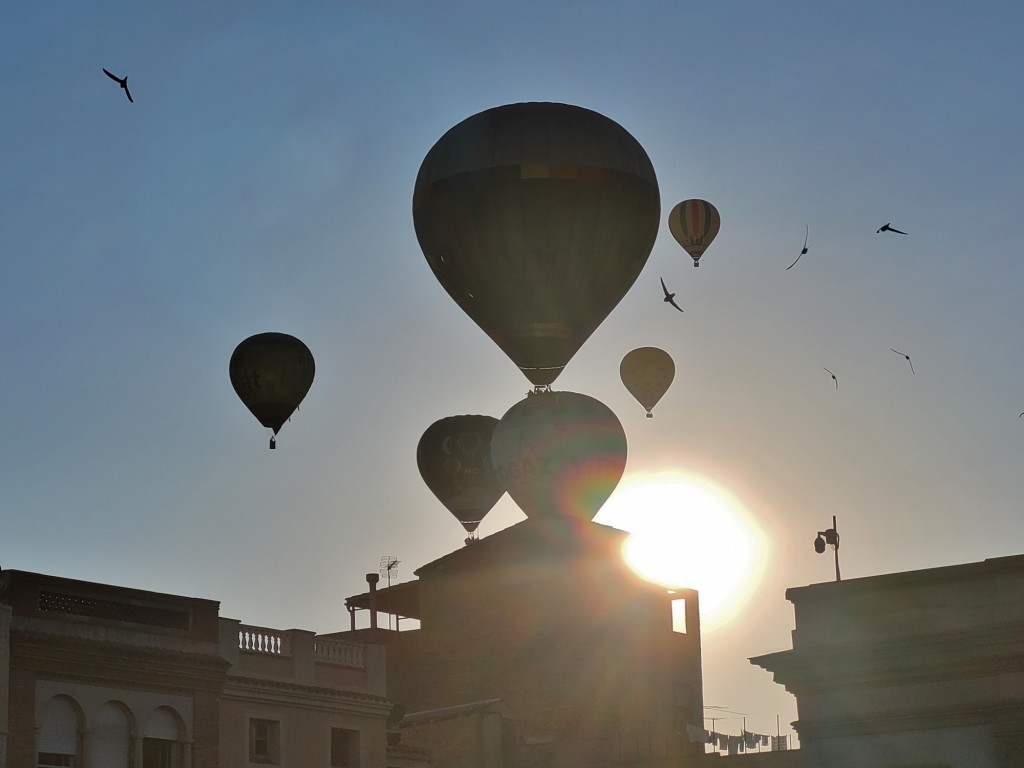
(688, 532)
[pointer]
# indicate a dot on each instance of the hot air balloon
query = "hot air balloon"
(559, 454)
(647, 373)
(271, 373)
(694, 224)
(454, 459)
(537, 218)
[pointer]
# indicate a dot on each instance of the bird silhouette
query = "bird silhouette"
(833, 378)
(669, 297)
(806, 232)
(908, 359)
(889, 228)
(122, 81)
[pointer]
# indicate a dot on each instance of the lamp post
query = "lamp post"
(829, 538)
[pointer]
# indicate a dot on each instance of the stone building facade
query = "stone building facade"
(921, 668)
(97, 676)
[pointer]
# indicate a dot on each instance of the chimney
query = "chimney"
(372, 579)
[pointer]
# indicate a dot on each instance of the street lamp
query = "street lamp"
(826, 538)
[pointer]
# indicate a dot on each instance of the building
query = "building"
(291, 698)
(97, 676)
(923, 668)
(538, 646)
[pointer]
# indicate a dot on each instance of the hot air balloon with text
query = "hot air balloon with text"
(271, 373)
(559, 455)
(454, 459)
(536, 219)
(694, 224)
(647, 373)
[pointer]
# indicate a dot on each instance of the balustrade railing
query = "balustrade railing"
(338, 652)
(276, 642)
(273, 642)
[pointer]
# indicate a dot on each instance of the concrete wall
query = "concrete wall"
(580, 652)
(304, 728)
(306, 685)
(916, 668)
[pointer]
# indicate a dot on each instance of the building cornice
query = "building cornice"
(914, 658)
(88, 661)
(296, 694)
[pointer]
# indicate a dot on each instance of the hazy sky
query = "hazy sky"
(262, 181)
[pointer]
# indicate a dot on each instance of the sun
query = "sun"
(687, 531)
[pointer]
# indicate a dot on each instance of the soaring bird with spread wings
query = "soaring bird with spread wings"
(889, 228)
(669, 297)
(908, 359)
(122, 81)
(806, 232)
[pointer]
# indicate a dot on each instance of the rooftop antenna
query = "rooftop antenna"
(388, 569)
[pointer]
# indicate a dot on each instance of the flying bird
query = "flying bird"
(888, 228)
(908, 359)
(122, 81)
(806, 232)
(669, 297)
(833, 378)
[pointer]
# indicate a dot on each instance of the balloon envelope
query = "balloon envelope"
(454, 459)
(271, 373)
(559, 454)
(537, 218)
(647, 373)
(694, 224)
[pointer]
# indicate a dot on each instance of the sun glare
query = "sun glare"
(688, 532)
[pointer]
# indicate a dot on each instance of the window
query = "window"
(57, 735)
(161, 753)
(344, 748)
(110, 741)
(263, 741)
(679, 615)
(162, 737)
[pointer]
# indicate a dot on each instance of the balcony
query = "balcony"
(301, 657)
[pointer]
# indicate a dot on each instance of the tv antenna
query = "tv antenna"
(389, 568)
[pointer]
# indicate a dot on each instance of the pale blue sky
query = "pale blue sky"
(262, 180)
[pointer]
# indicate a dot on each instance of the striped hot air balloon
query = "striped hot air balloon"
(694, 224)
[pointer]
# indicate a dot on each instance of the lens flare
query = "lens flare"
(686, 531)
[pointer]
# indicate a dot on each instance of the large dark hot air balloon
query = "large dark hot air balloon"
(647, 373)
(537, 218)
(694, 224)
(271, 373)
(559, 454)
(454, 459)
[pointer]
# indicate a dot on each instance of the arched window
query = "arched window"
(57, 737)
(161, 742)
(110, 737)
